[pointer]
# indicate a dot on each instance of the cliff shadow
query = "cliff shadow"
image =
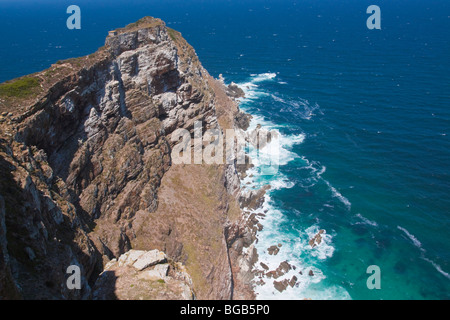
(41, 243)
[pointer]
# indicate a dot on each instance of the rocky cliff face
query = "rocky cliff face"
(86, 171)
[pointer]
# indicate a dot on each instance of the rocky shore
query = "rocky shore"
(87, 176)
(88, 179)
(244, 235)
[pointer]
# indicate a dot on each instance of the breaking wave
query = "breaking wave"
(296, 249)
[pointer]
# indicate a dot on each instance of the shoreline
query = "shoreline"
(256, 211)
(253, 213)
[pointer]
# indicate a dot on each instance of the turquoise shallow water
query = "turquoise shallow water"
(364, 117)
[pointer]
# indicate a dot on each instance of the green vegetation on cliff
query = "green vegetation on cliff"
(20, 88)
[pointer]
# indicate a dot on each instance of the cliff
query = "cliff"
(87, 175)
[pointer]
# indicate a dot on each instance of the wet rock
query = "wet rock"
(281, 285)
(282, 269)
(273, 250)
(260, 137)
(235, 91)
(242, 120)
(264, 266)
(293, 281)
(317, 239)
(243, 167)
(253, 199)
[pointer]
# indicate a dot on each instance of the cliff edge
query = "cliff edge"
(87, 174)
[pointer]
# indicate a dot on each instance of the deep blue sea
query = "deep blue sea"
(364, 117)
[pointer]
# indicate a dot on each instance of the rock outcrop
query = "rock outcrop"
(141, 275)
(317, 239)
(234, 91)
(87, 174)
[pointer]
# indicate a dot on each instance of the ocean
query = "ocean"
(364, 119)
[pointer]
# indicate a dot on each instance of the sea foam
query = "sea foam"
(295, 243)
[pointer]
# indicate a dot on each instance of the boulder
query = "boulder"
(281, 285)
(273, 250)
(149, 259)
(264, 266)
(282, 269)
(293, 281)
(234, 91)
(317, 239)
(160, 271)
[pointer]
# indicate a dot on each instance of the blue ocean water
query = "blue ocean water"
(364, 117)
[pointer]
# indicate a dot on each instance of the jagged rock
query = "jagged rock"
(253, 199)
(260, 137)
(242, 120)
(264, 266)
(311, 273)
(281, 285)
(235, 91)
(243, 167)
(273, 250)
(293, 281)
(282, 269)
(317, 239)
(260, 282)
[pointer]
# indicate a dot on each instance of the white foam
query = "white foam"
(338, 195)
(418, 244)
(251, 88)
(295, 250)
(281, 183)
(366, 221)
(295, 243)
(298, 108)
(437, 267)
(325, 249)
(278, 99)
(264, 77)
(414, 240)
